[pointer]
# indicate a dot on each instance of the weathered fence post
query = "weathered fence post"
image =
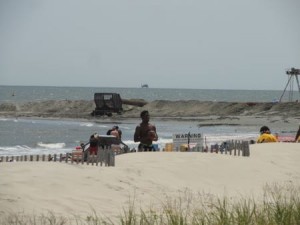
(88, 158)
(82, 157)
(245, 148)
(107, 157)
(112, 157)
(67, 157)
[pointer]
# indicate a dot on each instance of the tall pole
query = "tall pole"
(298, 83)
(285, 88)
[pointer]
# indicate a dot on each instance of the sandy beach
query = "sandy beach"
(147, 177)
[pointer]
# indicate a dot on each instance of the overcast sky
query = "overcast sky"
(200, 44)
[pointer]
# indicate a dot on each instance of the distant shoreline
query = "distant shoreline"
(158, 108)
(285, 116)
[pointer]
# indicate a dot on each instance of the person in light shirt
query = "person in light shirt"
(266, 136)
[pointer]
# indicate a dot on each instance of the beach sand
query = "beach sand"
(147, 177)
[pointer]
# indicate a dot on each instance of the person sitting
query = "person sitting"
(266, 136)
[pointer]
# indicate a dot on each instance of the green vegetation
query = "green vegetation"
(280, 205)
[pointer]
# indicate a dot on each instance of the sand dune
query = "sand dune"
(36, 187)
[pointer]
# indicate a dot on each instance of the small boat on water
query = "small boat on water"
(144, 86)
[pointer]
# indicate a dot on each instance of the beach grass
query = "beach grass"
(279, 205)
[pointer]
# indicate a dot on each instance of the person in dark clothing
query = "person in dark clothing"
(93, 149)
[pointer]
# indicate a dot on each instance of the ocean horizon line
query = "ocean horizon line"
(137, 87)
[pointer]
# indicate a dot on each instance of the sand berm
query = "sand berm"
(206, 112)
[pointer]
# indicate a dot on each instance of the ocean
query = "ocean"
(38, 93)
(25, 136)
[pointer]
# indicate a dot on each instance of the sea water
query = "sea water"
(38, 93)
(20, 136)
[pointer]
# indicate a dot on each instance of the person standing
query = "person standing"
(93, 149)
(145, 133)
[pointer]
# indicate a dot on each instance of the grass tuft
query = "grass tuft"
(280, 205)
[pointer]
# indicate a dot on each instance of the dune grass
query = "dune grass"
(279, 205)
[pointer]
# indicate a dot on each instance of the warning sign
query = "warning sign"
(191, 140)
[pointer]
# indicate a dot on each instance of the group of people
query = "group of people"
(145, 133)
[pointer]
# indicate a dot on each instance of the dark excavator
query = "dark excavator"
(107, 104)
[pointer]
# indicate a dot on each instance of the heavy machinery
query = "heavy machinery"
(107, 104)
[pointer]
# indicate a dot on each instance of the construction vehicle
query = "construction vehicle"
(107, 104)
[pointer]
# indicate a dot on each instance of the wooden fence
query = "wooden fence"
(237, 148)
(106, 156)
(232, 147)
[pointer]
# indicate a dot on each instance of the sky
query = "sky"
(194, 44)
